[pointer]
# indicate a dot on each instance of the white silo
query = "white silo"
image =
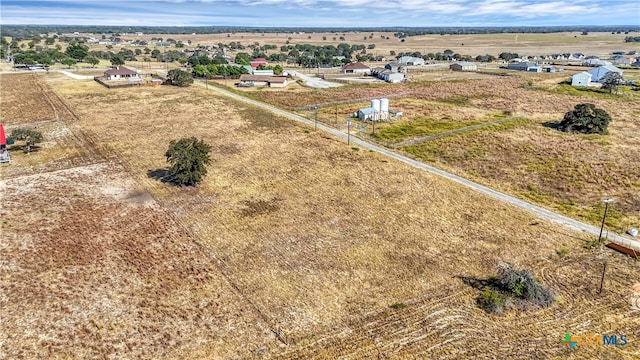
(384, 108)
(375, 105)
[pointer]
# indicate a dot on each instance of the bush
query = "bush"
(522, 284)
(29, 136)
(585, 118)
(492, 302)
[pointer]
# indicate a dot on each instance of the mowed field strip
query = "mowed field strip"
(321, 239)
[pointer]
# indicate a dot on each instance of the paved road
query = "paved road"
(539, 211)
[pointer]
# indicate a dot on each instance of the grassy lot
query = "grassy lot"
(319, 239)
(527, 158)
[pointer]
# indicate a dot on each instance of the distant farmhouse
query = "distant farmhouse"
(411, 60)
(356, 68)
(593, 77)
(263, 80)
(594, 61)
(121, 72)
(463, 66)
(525, 66)
(259, 61)
(599, 73)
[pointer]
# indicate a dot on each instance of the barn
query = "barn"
(581, 79)
(356, 68)
(463, 66)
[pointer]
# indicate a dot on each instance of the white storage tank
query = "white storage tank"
(375, 104)
(384, 108)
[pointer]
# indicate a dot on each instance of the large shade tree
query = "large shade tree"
(188, 158)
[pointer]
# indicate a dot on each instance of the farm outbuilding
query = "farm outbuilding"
(599, 73)
(524, 66)
(464, 66)
(411, 60)
(581, 79)
(263, 80)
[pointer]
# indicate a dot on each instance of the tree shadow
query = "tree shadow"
(162, 175)
(551, 125)
(23, 148)
(479, 284)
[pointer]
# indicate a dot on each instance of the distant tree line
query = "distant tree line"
(26, 31)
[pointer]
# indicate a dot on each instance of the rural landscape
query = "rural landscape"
(303, 240)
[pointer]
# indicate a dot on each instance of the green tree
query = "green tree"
(180, 77)
(585, 118)
(92, 60)
(77, 52)
(611, 80)
(117, 60)
(29, 136)
(69, 62)
(188, 158)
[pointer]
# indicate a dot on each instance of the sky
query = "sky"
(321, 13)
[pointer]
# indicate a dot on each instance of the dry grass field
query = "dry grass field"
(525, 157)
(294, 246)
(596, 43)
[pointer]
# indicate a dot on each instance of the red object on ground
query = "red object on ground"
(3, 138)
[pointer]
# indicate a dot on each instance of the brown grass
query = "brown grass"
(322, 240)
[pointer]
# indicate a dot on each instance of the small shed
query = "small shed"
(581, 79)
(463, 66)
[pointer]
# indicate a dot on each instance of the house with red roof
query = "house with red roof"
(259, 61)
(356, 68)
(121, 72)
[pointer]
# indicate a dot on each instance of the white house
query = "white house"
(598, 73)
(356, 68)
(581, 79)
(410, 60)
(121, 72)
(595, 62)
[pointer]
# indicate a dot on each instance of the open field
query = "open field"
(299, 235)
(595, 43)
(525, 157)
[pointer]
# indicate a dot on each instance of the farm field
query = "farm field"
(596, 43)
(294, 246)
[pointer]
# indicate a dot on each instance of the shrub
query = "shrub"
(522, 284)
(29, 136)
(585, 118)
(492, 302)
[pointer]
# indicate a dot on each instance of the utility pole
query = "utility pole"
(604, 217)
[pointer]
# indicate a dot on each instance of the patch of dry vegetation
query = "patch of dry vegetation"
(323, 240)
(93, 267)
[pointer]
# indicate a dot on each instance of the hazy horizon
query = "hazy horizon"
(331, 13)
